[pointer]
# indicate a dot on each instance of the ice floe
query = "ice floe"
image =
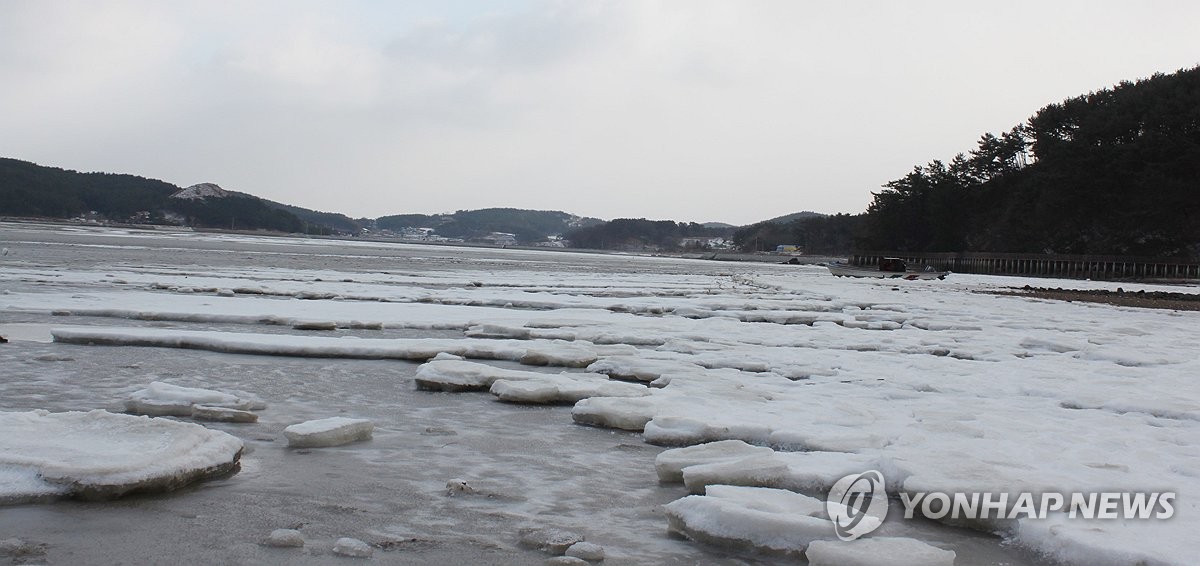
(284, 538)
(877, 551)
(353, 548)
(165, 399)
(764, 519)
(518, 386)
(332, 431)
(99, 455)
(527, 352)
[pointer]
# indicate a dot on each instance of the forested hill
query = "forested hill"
(31, 190)
(1115, 171)
(528, 226)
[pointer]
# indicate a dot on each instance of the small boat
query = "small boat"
(889, 268)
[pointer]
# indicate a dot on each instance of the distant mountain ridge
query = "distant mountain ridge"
(31, 190)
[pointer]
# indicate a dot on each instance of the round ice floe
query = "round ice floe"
(285, 538)
(586, 551)
(333, 431)
(100, 455)
(353, 547)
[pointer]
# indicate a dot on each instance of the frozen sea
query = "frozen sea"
(939, 384)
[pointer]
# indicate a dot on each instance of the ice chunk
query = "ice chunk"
(751, 517)
(352, 547)
(763, 470)
(615, 412)
(877, 551)
(333, 431)
(557, 353)
(21, 552)
(100, 455)
(162, 399)
(563, 388)
(460, 375)
(222, 414)
(565, 561)
(586, 551)
(285, 538)
(497, 331)
(314, 325)
(554, 541)
(670, 463)
(23, 484)
(637, 368)
(457, 486)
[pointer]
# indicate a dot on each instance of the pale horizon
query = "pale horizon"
(688, 111)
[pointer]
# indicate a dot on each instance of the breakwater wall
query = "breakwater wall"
(1045, 265)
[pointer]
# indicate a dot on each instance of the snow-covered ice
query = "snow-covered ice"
(352, 547)
(877, 551)
(100, 455)
(758, 518)
(586, 551)
(332, 431)
(939, 385)
(518, 386)
(163, 399)
(551, 540)
(285, 538)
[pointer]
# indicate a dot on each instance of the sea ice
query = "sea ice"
(446, 373)
(99, 455)
(352, 547)
(877, 551)
(529, 352)
(163, 399)
(333, 431)
(285, 538)
(586, 551)
(670, 463)
(751, 517)
(563, 388)
(551, 540)
(222, 414)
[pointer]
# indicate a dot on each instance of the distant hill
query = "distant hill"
(336, 222)
(787, 218)
(29, 189)
(528, 226)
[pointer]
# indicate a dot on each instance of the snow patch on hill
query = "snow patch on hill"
(202, 191)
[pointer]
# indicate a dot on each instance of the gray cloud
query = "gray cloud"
(691, 110)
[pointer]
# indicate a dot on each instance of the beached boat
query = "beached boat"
(889, 268)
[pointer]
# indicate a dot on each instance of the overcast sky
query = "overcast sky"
(687, 110)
